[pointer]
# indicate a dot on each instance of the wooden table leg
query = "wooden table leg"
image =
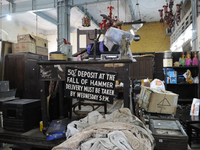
(105, 108)
(61, 99)
(44, 95)
(189, 133)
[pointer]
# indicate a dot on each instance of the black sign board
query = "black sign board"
(136, 38)
(93, 85)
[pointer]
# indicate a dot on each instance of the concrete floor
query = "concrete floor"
(6, 147)
(195, 144)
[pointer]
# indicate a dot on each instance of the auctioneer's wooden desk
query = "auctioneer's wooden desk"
(55, 71)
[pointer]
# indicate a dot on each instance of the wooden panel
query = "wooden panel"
(31, 79)
(22, 72)
(5, 48)
(158, 67)
(88, 41)
(142, 68)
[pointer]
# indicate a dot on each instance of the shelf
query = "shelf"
(184, 67)
(183, 84)
(185, 100)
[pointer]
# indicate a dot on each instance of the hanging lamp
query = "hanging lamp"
(137, 17)
(167, 16)
(86, 19)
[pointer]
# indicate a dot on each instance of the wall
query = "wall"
(153, 38)
(9, 32)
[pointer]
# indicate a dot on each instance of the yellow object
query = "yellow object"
(147, 55)
(176, 64)
(157, 39)
(57, 56)
(167, 63)
(117, 82)
(41, 125)
(149, 80)
(189, 80)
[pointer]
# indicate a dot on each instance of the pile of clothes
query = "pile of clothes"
(117, 131)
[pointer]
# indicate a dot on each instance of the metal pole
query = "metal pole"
(194, 25)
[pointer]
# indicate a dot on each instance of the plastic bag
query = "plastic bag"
(116, 35)
(195, 107)
(157, 84)
(196, 79)
(109, 43)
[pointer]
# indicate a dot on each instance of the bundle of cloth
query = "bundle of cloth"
(119, 130)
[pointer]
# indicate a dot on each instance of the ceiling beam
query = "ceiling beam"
(11, 1)
(42, 5)
(82, 9)
(83, 2)
(131, 9)
(33, 5)
(46, 17)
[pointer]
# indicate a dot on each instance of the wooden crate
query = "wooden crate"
(169, 134)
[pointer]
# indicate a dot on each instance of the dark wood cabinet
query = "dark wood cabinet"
(22, 72)
(158, 66)
(143, 68)
(185, 90)
(148, 66)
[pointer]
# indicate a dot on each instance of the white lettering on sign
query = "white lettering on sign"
(110, 77)
(72, 80)
(90, 84)
(87, 74)
(107, 91)
(72, 72)
(104, 98)
(74, 87)
(88, 96)
(101, 84)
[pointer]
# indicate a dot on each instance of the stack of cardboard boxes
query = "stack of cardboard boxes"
(41, 46)
(29, 43)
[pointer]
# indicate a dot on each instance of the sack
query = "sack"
(195, 107)
(100, 47)
(157, 84)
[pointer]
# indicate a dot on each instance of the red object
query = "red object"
(107, 23)
(170, 18)
(66, 42)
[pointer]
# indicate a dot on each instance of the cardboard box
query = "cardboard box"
(167, 63)
(42, 51)
(23, 47)
(173, 80)
(26, 38)
(158, 101)
(41, 42)
(172, 73)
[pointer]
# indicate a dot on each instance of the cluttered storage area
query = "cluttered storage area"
(99, 75)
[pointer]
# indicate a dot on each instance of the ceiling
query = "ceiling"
(148, 9)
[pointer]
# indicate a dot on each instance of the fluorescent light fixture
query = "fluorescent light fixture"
(8, 17)
(132, 32)
(137, 26)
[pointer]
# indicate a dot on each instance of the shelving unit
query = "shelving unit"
(185, 90)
